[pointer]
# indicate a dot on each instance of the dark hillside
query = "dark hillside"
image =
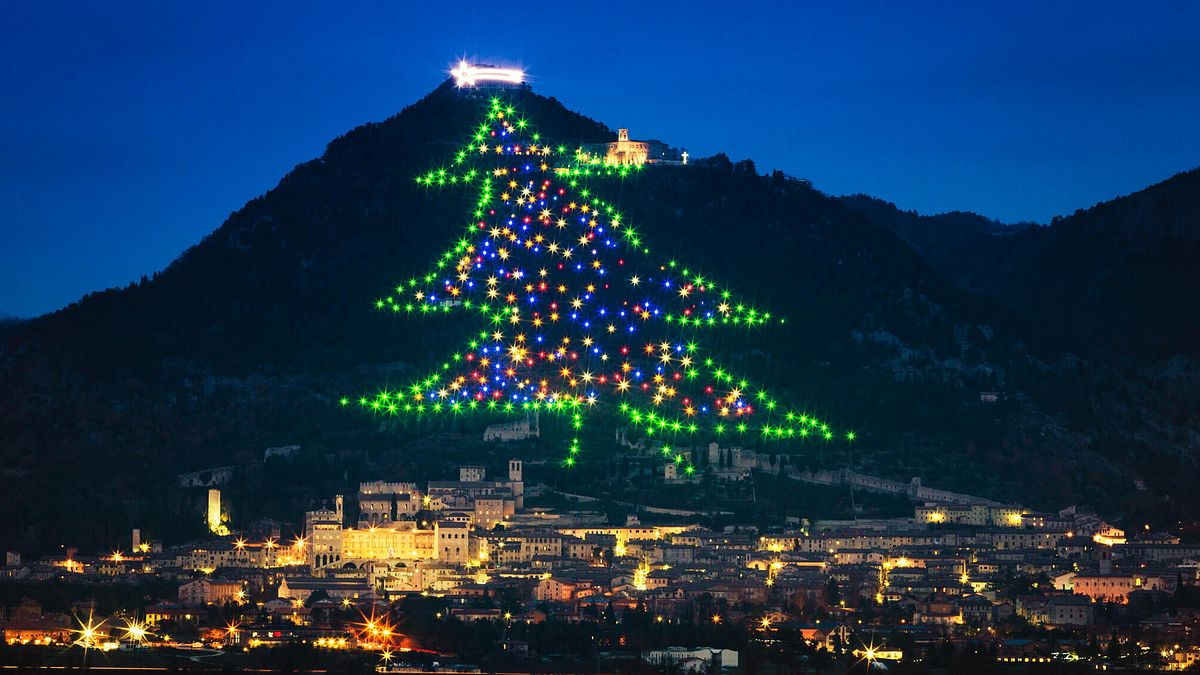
(247, 340)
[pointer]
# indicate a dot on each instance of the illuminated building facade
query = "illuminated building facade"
(492, 510)
(212, 557)
(624, 534)
(507, 548)
(471, 474)
(627, 152)
(323, 532)
(452, 541)
(1117, 587)
(970, 514)
(461, 494)
(209, 592)
(214, 510)
(399, 541)
(381, 502)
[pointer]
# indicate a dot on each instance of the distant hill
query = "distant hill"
(896, 322)
(1115, 279)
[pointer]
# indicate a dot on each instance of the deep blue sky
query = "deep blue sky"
(130, 130)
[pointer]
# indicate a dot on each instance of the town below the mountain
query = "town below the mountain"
(492, 571)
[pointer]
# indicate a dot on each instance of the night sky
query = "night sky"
(131, 130)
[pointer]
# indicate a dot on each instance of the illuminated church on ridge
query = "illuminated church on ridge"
(624, 151)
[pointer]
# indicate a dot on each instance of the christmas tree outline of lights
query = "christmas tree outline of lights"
(500, 363)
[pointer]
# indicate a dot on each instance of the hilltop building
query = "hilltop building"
(624, 152)
(518, 430)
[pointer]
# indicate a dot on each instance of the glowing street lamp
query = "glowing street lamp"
(869, 653)
(89, 633)
(135, 632)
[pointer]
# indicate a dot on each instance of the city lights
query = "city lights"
(89, 632)
(135, 632)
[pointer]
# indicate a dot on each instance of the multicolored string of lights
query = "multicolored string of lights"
(573, 310)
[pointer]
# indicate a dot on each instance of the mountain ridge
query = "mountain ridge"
(245, 340)
(1137, 248)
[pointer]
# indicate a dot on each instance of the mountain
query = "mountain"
(248, 338)
(1116, 279)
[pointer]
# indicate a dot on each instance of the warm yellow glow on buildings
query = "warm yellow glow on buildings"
(640, 575)
(215, 522)
(1109, 537)
(386, 543)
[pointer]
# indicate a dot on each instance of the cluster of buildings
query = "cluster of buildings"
(955, 570)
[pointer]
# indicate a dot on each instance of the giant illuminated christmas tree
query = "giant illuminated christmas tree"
(571, 310)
